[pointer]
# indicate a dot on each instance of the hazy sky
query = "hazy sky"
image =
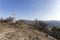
(31, 9)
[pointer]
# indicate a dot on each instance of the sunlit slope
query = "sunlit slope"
(21, 32)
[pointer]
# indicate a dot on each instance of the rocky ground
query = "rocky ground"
(11, 33)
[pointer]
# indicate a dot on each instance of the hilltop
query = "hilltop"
(21, 31)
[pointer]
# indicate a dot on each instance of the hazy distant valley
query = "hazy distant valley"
(51, 23)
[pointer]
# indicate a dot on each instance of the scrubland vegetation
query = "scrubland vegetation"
(20, 30)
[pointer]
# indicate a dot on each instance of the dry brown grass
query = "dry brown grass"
(22, 32)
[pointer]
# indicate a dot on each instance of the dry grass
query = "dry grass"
(22, 32)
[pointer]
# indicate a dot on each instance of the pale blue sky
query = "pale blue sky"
(31, 9)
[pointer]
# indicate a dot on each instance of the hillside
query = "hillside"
(23, 32)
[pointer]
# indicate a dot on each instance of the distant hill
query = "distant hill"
(51, 23)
